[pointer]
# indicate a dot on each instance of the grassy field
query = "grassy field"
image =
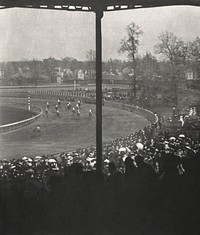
(12, 114)
(66, 133)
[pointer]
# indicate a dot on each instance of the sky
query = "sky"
(38, 34)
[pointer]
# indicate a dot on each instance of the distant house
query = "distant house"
(3, 80)
(90, 74)
(59, 80)
(68, 73)
(44, 78)
(118, 73)
(81, 75)
(17, 79)
(131, 73)
(191, 75)
(59, 72)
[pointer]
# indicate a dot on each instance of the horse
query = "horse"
(47, 105)
(90, 113)
(77, 106)
(78, 114)
(37, 130)
(46, 112)
(68, 106)
(57, 113)
(73, 110)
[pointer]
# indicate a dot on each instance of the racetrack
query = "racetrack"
(66, 133)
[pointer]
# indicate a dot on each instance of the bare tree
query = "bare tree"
(175, 51)
(194, 49)
(50, 64)
(35, 67)
(171, 47)
(91, 58)
(194, 54)
(148, 68)
(129, 46)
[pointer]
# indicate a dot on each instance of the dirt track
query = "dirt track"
(66, 133)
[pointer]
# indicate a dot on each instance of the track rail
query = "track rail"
(16, 125)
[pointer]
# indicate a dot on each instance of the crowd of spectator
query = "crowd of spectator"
(150, 185)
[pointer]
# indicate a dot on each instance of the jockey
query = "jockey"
(79, 103)
(59, 102)
(56, 107)
(46, 111)
(78, 113)
(47, 105)
(69, 106)
(90, 113)
(77, 106)
(38, 128)
(57, 113)
(73, 110)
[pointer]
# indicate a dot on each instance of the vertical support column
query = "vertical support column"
(99, 15)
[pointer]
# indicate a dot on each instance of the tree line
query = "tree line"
(176, 57)
(170, 60)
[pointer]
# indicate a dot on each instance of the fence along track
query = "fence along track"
(85, 97)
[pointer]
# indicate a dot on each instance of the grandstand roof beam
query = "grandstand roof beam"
(92, 5)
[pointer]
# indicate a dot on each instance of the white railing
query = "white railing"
(150, 116)
(16, 125)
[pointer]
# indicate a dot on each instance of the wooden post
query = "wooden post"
(29, 103)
